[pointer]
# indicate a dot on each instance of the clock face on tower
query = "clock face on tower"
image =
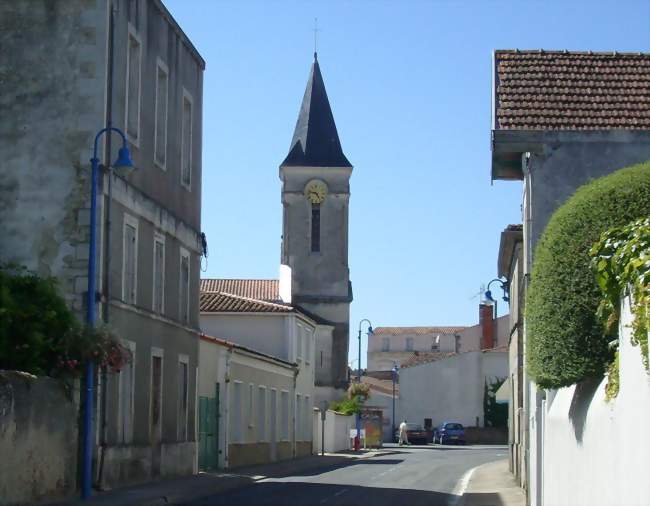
(316, 191)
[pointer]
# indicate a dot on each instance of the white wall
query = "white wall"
(597, 453)
(451, 389)
(261, 332)
(337, 432)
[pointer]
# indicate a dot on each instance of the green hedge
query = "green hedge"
(566, 342)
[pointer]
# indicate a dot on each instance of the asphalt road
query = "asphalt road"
(406, 476)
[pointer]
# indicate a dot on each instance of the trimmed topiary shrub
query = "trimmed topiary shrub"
(566, 341)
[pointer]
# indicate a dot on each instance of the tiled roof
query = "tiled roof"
(218, 302)
(397, 331)
(565, 90)
(420, 357)
(383, 386)
(260, 289)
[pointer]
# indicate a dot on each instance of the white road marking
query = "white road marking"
(461, 487)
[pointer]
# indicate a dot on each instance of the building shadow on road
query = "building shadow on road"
(308, 494)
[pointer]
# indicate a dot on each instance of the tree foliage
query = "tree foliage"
(39, 334)
(566, 341)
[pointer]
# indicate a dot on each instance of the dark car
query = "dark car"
(416, 434)
(449, 432)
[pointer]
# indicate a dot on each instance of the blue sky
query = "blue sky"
(410, 87)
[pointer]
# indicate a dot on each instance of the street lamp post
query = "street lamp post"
(395, 371)
(123, 162)
(488, 293)
(357, 441)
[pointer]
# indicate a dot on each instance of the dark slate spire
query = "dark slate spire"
(315, 140)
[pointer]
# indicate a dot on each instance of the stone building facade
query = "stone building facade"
(71, 68)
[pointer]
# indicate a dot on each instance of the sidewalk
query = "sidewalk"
(492, 484)
(190, 488)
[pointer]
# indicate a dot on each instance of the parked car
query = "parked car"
(416, 434)
(449, 432)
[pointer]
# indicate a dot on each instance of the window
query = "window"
(261, 413)
(306, 435)
(159, 273)
(184, 288)
(409, 344)
(236, 408)
(385, 344)
(298, 427)
(126, 382)
(133, 65)
(315, 228)
(156, 390)
(183, 396)
(250, 412)
(299, 338)
(130, 260)
(186, 140)
(273, 422)
(160, 128)
(308, 337)
(284, 415)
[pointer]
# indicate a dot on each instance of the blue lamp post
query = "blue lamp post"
(395, 375)
(488, 294)
(357, 441)
(123, 163)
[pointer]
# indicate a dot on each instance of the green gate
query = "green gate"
(209, 432)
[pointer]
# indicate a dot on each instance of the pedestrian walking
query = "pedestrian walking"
(403, 436)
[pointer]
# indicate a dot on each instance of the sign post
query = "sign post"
(323, 414)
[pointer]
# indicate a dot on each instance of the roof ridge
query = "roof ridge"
(250, 299)
(572, 52)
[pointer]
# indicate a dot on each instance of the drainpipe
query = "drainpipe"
(107, 240)
(295, 408)
(226, 412)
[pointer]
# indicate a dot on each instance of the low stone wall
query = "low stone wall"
(38, 439)
(486, 435)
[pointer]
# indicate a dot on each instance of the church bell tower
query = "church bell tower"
(315, 197)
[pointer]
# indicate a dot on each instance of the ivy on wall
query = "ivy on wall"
(566, 341)
(621, 261)
(495, 414)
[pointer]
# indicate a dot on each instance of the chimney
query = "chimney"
(486, 321)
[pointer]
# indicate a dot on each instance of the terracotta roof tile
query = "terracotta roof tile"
(380, 385)
(260, 289)
(563, 90)
(397, 331)
(420, 357)
(218, 302)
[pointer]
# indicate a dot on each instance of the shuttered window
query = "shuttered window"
(159, 274)
(261, 414)
(129, 271)
(160, 136)
(184, 288)
(126, 381)
(186, 140)
(183, 394)
(133, 65)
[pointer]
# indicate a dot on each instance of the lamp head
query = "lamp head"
(123, 166)
(370, 331)
(488, 296)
